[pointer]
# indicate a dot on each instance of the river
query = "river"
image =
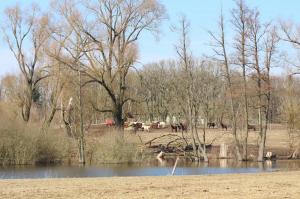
(150, 168)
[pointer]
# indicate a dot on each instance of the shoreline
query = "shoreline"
(279, 184)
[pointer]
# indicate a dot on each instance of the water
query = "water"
(152, 168)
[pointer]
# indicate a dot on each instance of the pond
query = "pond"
(151, 168)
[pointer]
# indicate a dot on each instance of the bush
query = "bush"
(51, 148)
(111, 149)
(22, 144)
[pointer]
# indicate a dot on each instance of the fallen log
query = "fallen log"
(168, 135)
(190, 147)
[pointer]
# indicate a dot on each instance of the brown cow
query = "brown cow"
(251, 127)
(223, 126)
(183, 127)
(174, 128)
(211, 124)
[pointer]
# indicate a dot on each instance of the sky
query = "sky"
(202, 14)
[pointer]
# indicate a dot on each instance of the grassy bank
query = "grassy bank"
(263, 185)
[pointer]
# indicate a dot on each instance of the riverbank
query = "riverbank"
(259, 185)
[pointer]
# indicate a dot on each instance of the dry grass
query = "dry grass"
(256, 186)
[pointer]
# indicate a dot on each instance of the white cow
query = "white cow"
(161, 125)
(146, 127)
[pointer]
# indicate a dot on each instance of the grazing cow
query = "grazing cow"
(136, 126)
(161, 125)
(174, 128)
(224, 126)
(146, 127)
(177, 127)
(211, 124)
(155, 125)
(251, 127)
(183, 127)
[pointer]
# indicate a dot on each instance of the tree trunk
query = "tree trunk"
(261, 148)
(118, 118)
(245, 144)
(236, 141)
(201, 150)
(81, 136)
(47, 123)
(81, 149)
(26, 109)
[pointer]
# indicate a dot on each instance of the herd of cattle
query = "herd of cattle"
(176, 127)
(140, 126)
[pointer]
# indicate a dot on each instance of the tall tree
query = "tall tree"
(263, 44)
(107, 42)
(220, 48)
(188, 65)
(26, 32)
(240, 18)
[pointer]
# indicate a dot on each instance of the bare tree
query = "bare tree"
(292, 36)
(240, 20)
(220, 48)
(263, 44)
(53, 87)
(23, 28)
(192, 109)
(107, 41)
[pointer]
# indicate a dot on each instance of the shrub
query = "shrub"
(111, 149)
(22, 143)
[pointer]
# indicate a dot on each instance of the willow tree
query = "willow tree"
(25, 31)
(106, 33)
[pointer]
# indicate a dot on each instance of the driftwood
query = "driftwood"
(169, 147)
(190, 147)
(173, 141)
(295, 154)
(168, 135)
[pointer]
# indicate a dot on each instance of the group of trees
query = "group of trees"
(79, 59)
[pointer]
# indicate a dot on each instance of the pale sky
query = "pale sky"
(203, 16)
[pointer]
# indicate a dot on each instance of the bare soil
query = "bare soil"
(262, 185)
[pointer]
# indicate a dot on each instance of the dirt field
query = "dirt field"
(264, 185)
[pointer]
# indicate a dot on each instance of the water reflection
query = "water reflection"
(223, 163)
(150, 168)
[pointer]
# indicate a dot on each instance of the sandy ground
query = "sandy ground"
(262, 185)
